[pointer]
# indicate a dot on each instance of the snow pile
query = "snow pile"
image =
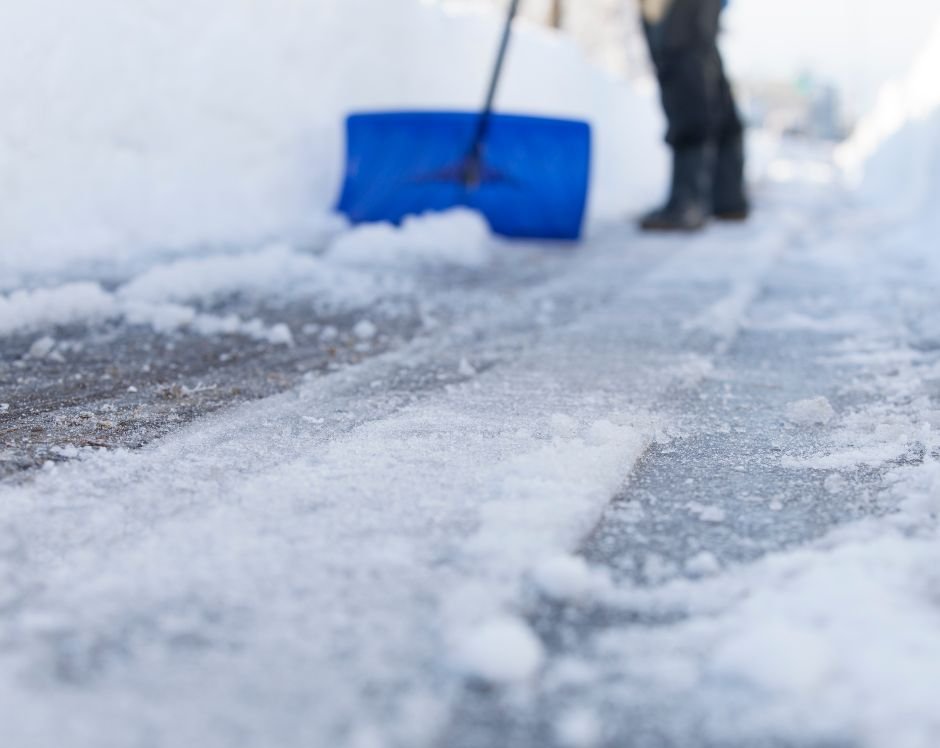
(159, 127)
(168, 296)
(895, 153)
(872, 436)
(275, 266)
(457, 237)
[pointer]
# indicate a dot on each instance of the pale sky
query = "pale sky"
(859, 44)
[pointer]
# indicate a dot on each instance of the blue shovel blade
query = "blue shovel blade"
(534, 180)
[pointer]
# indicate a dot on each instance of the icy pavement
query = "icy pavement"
(733, 435)
(769, 576)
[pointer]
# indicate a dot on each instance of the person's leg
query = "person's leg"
(729, 195)
(682, 39)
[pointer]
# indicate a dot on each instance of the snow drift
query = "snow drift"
(895, 153)
(155, 127)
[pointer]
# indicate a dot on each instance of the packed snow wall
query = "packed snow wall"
(894, 156)
(156, 127)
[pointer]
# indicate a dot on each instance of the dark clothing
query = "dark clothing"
(696, 96)
(705, 130)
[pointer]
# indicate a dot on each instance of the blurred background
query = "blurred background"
(801, 67)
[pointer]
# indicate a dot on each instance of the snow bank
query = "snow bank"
(154, 127)
(895, 154)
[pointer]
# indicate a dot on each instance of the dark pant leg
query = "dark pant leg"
(702, 116)
(730, 126)
(695, 93)
(729, 195)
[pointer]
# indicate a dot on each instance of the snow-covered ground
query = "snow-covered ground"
(643, 492)
(331, 565)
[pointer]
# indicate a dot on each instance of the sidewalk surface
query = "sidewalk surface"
(654, 492)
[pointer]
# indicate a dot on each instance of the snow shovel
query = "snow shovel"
(527, 175)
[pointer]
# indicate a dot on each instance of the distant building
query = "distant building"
(608, 30)
(804, 107)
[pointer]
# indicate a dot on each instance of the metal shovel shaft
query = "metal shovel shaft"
(474, 166)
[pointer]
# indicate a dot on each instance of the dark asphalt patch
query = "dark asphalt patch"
(114, 385)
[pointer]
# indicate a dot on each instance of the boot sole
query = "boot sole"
(671, 228)
(732, 216)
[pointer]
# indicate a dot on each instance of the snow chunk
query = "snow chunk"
(365, 330)
(502, 650)
(280, 334)
(707, 513)
(578, 728)
(42, 347)
(564, 578)
(815, 411)
(457, 237)
(703, 564)
(713, 514)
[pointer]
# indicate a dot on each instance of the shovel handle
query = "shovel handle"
(474, 167)
(500, 58)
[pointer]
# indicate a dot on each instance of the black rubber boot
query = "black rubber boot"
(690, 199)
(730, 201)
